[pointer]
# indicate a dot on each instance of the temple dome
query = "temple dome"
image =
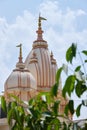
(20, 78)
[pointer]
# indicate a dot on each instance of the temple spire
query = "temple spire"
(40, 42)
(20, 63)
(40, 31)
(20, 53)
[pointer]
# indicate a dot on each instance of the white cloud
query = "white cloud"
(66, 20)
(81, 12)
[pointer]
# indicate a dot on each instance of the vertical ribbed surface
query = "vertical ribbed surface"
(43, 70)
(19, 80)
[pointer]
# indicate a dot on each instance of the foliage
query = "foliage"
(41, 113)
(77, 81)
(71, 52)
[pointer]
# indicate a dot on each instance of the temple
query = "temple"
(36, 74)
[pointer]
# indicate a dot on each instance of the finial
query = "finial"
(20, 65)
(39, 21)
(20, 52)
(40, 31)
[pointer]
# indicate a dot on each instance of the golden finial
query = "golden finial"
(20, 52)
(40, 31)
(39, 21)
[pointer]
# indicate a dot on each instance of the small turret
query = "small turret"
(20, 82)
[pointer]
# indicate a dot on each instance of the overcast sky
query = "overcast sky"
(66, 23)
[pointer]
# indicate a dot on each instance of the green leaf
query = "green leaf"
(10, 116)
(78, 68)
(3, 104)
(54, 89)
(66, 109)
(49, 127)
(80, 88)
(78, 110)
(13, 104)
(71, 53)
(27, 128)
(54, 124)
(31, 102)
(55, 107)
(69, 85)
(58, 75)
(9, 106)
(84, 52)
(84, 102)
(85, 61)
(17, 116)
(71, 106)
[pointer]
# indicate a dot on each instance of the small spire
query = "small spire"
(20, 63)
(53, 61)
(40, 31)
(20, 53)
(51, 55)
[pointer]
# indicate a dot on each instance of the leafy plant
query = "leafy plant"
(77, 81)
(41, 112)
